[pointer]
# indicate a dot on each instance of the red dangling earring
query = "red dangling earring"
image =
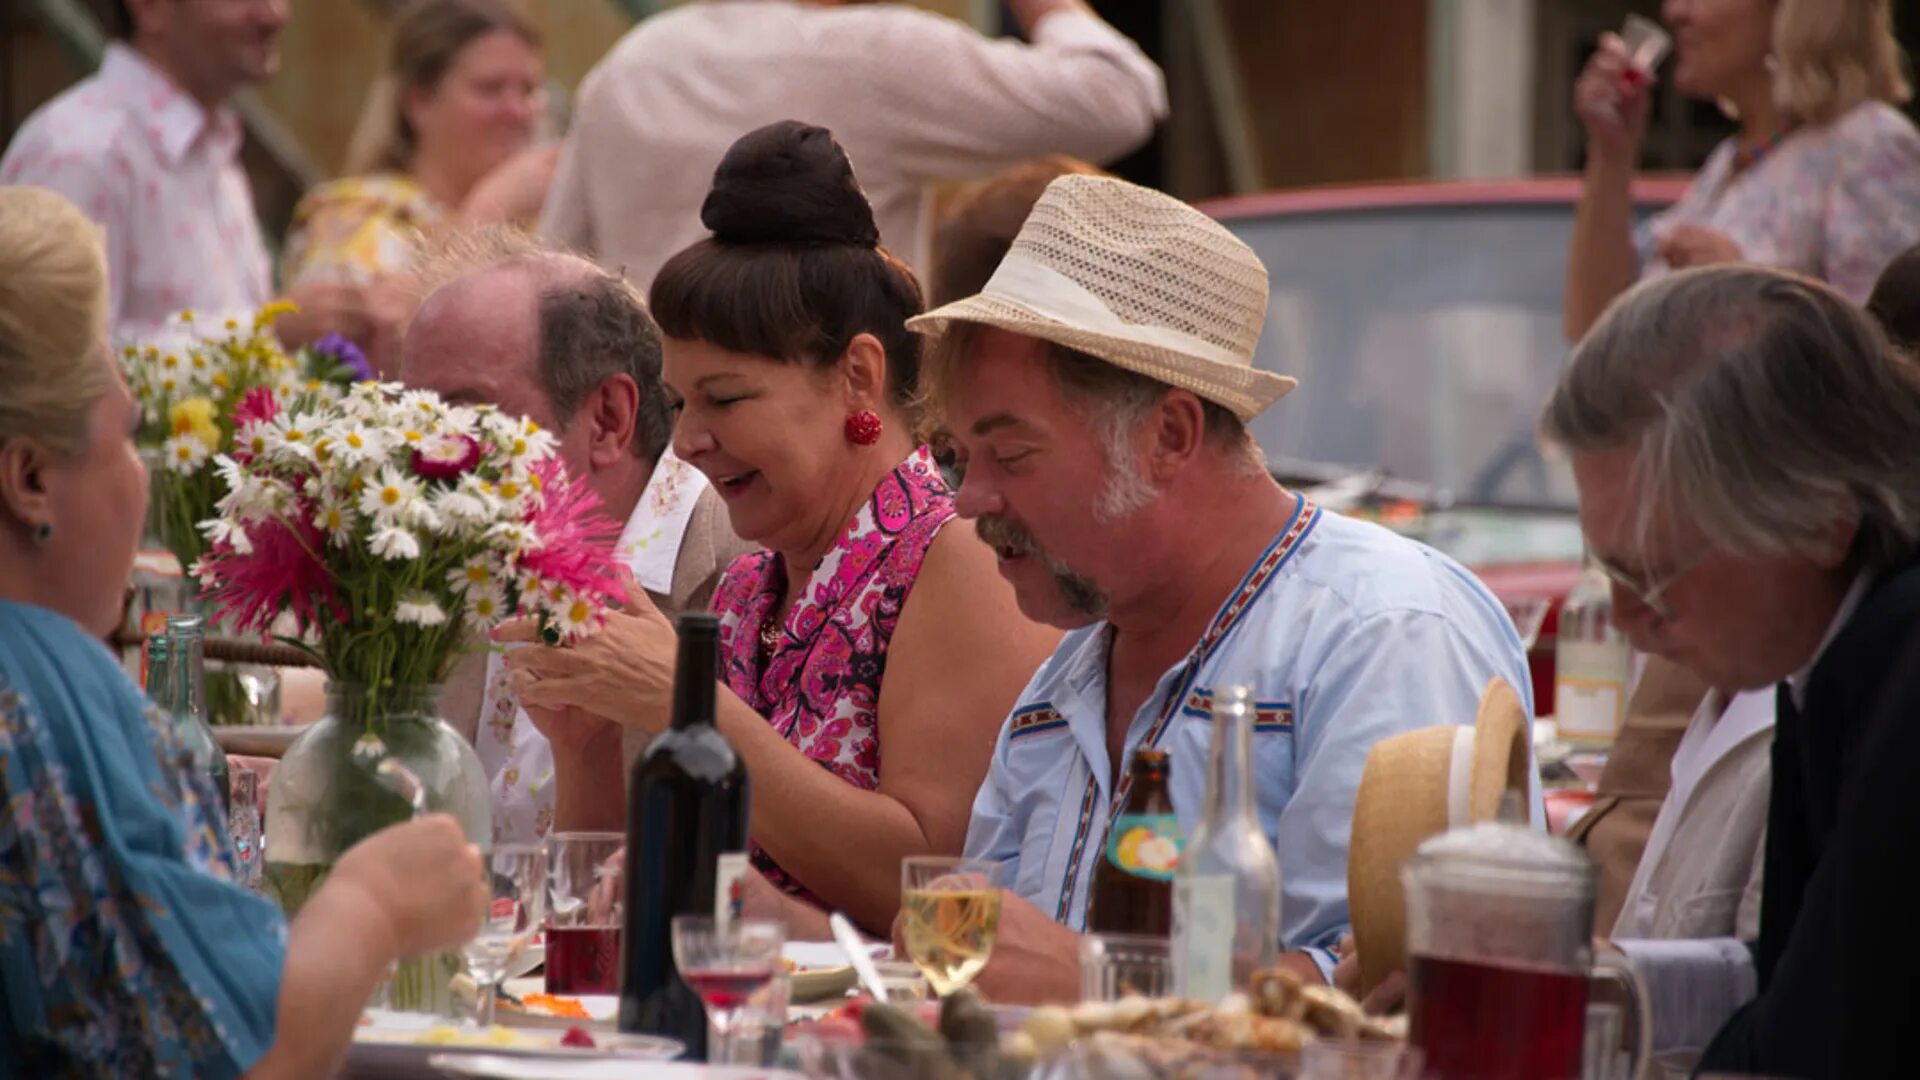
(864, 427)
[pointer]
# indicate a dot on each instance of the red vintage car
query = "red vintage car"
(1423, 321)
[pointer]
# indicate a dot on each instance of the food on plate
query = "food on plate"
(565, 1008)
(448, 1035)
(578, 1038)
(1245, 1034)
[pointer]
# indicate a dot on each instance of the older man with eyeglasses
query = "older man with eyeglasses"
(1745, 444)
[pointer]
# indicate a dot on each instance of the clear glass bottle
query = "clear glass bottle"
(1592, 663)
(187, 700)
(1226, 896)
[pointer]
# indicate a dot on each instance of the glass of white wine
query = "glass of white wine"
(952, 912)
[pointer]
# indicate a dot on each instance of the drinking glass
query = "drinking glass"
(516, 894)
(1340, 1059)
(244, 825)
(727, 964)
(584, 912)
(951, 909)
(1646, 43)
(1113, 966)
(1529, 614)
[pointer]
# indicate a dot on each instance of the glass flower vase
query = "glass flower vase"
(324, 799)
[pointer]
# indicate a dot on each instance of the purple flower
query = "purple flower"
(345, 353)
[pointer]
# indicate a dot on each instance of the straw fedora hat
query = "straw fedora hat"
(1138, 279)
(1416, 785)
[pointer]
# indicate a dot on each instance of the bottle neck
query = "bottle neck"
(1230, 767)
(696, 674)
(159, 672)
(189, 677)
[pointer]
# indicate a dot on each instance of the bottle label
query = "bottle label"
(729, 886)
(1145, 845)
(1203, 926)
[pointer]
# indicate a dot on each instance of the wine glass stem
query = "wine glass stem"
(488, 991)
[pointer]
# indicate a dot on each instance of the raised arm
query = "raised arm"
(1601, 262)
(1080, 88)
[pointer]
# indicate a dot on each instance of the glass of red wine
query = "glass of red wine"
(584, 911)
(728, 962)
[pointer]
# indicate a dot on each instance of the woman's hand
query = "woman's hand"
(1612, 100)
(424, 877)
(1697, 245)
(622, 672)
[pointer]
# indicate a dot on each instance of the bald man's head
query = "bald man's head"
(550, 336)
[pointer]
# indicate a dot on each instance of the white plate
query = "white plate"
(489, 1067)
(385, 1047)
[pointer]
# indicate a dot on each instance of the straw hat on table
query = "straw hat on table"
(1138, 279)
(1414, 786)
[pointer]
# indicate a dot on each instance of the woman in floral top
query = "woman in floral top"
(445, 137)
(1822, 178)
(126, 947)
(872, 652)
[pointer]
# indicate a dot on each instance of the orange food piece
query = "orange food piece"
(564, 1007)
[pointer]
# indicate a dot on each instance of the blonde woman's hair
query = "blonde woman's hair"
(53, 320)
(1834, 54)
(427, 37)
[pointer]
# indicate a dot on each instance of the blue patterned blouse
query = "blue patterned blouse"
(126, 949)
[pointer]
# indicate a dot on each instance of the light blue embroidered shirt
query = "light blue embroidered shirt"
(1347, 634)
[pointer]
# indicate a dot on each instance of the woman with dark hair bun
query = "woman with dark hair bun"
(867, 624)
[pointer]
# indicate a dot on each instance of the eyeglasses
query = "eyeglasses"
(1652, 594)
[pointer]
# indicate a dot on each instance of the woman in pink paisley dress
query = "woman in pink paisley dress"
(1822, 178)
(870, 653)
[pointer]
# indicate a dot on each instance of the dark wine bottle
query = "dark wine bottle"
(686, 831)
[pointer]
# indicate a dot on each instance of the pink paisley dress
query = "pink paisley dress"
(819, 682)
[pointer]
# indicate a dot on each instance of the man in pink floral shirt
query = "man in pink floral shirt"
(148, 148)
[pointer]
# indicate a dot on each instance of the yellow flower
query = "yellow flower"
(186, 316)
(220, 381)
(194, 416)
(272, 312)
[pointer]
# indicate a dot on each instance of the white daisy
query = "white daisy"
(461, 510)
(514, 537)
(290, 436)
(222, 529)
(394, 543)
(419, 609)
(486, 606)
(335, 517)
(573, 615)
(389, 495)
(184, 453)
(476, 575)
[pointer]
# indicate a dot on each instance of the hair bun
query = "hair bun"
(788, 183)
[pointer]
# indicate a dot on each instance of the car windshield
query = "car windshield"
(1425, 339)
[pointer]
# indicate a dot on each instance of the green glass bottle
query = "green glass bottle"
(186, 699)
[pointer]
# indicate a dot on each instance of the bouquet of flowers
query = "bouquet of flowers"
(189, 381)
(391, 525)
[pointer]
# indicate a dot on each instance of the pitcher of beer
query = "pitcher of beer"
(1500, 957)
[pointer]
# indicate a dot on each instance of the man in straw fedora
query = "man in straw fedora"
(1097, 392)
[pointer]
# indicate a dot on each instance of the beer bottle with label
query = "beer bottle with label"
(1133, 884)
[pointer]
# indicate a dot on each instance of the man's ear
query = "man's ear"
(23, 489)
(612, 410)
(1178, 429)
